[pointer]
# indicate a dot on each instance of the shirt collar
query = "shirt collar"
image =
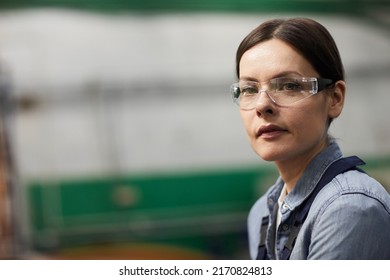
(310, 177)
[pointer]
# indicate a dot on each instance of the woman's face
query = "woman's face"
(280, 133)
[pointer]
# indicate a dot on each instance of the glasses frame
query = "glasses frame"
(321, 84)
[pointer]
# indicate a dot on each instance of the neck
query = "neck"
(291, 170)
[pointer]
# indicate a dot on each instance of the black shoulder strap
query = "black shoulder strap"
(340, 166)
(262, 251)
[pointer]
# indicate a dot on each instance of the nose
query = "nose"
(264, 103)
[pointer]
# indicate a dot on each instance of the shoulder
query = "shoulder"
(350, 219)
(259, 208)
(256, 213)
(354, 187)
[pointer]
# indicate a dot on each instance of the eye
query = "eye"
(290, 86)
(249, 90)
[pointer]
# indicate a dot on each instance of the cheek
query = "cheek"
(247, 120)
(309, 120)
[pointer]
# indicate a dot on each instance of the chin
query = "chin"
(267, 156)
(272, 155)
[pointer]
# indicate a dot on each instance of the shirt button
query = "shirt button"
(285, 206)
(285, 227)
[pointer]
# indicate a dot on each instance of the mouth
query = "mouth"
(270, 131)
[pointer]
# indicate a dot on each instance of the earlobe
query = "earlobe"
(337, 97)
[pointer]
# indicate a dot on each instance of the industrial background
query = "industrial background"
(118, 135)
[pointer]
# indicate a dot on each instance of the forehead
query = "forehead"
(272, 58)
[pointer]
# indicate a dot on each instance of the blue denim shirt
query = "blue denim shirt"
(349, 218)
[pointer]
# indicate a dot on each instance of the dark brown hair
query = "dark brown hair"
(308, 37)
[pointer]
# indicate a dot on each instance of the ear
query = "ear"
(336, 99)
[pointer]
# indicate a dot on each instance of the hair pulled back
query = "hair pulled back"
(308, 37)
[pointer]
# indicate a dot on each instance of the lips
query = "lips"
(270, 131)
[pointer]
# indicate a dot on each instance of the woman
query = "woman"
(291, 86)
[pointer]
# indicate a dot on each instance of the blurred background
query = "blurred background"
(118, 136)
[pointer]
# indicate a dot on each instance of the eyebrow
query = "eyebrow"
(278, 75)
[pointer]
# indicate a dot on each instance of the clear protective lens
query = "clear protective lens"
(282, 91)
(285, 91)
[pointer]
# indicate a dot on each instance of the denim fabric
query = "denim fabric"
(349, 218)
